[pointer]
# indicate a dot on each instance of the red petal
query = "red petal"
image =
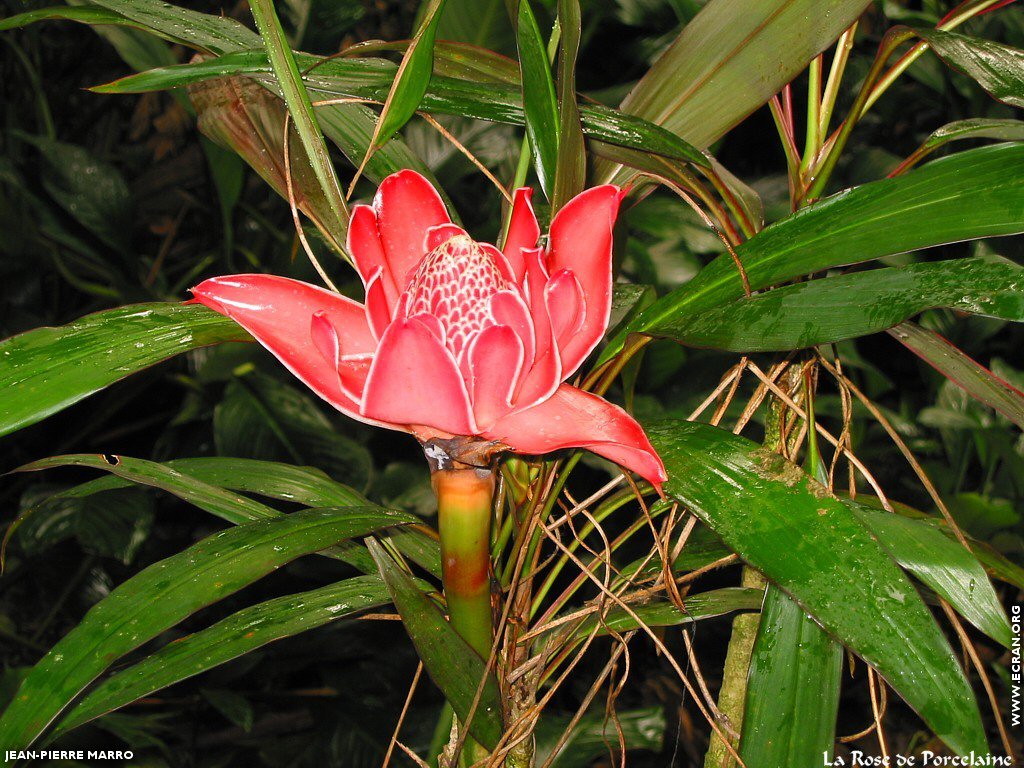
(415, 381)
(572, 418)
(545, 374)
(351, 373)
(279, 313)
(440, 235)
(581, 241)
(378, 309)
(365, 246)
(564, 299)
(509, 309)
(495, 360)
(407, 206)
(523, 230)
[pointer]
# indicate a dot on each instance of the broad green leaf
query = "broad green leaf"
(540, 103)
(289, 79)
(452, 664)
(729, 60)
(920, 209)
(45, 370)
(571, 166)
(944, 565)
(978, 381)
(789, 720)
(663, 613)
(997, 68)
(814, 548)
(845, 307)
(411, 80)
(228, 639)
(166, 593)
(371, 79)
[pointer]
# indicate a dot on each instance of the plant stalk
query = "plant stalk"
(464, 498)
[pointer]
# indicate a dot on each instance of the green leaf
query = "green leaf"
(232, 507)
(920, 209)
(792, 689)
(45, 370)
(240, 633)
(845, 307)
(663, 613)
(997, 68)
(975, 379)
(235, 707)
(944, 565)
(412, 78)
(972, 128)
(452, 664)
(214, 34)
(164, 594)
(571, 166)
(371, 79)
(814, 548)
(540, 103)
(729, 60)
(93, 192)
(286, 71)
(86, 14)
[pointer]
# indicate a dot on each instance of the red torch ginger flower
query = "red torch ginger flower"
(456, 338)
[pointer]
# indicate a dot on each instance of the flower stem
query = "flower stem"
(464, 497)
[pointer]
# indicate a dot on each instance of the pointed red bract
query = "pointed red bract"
(456, 337)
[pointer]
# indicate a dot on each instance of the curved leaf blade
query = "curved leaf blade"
(452, 664)
(789, 720)
(814, 548)
(540, 104)
(997, 68)
(167, 592)
(944, 565)
(845, 307)
(228, 639)
(921, 209)
(977, 380)
(46, 370)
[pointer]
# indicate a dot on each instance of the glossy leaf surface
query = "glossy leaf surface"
(814, 548)
(452, 664)
(240, 633)
(844, 307)
(792, 688)
(45, 370)
(540, 104)
(164, 594)
(997, 68)
(920, 209)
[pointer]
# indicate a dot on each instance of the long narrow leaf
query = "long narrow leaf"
(166, 593)
(571, 168)
(450, 661)
(540, 104)
(997, 68)
(371, 79)
(789, 720)
(228, 639)
(46, 370)
(977, 380)
(920, 209)
(837, 308)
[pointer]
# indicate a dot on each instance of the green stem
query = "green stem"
(464, 498)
